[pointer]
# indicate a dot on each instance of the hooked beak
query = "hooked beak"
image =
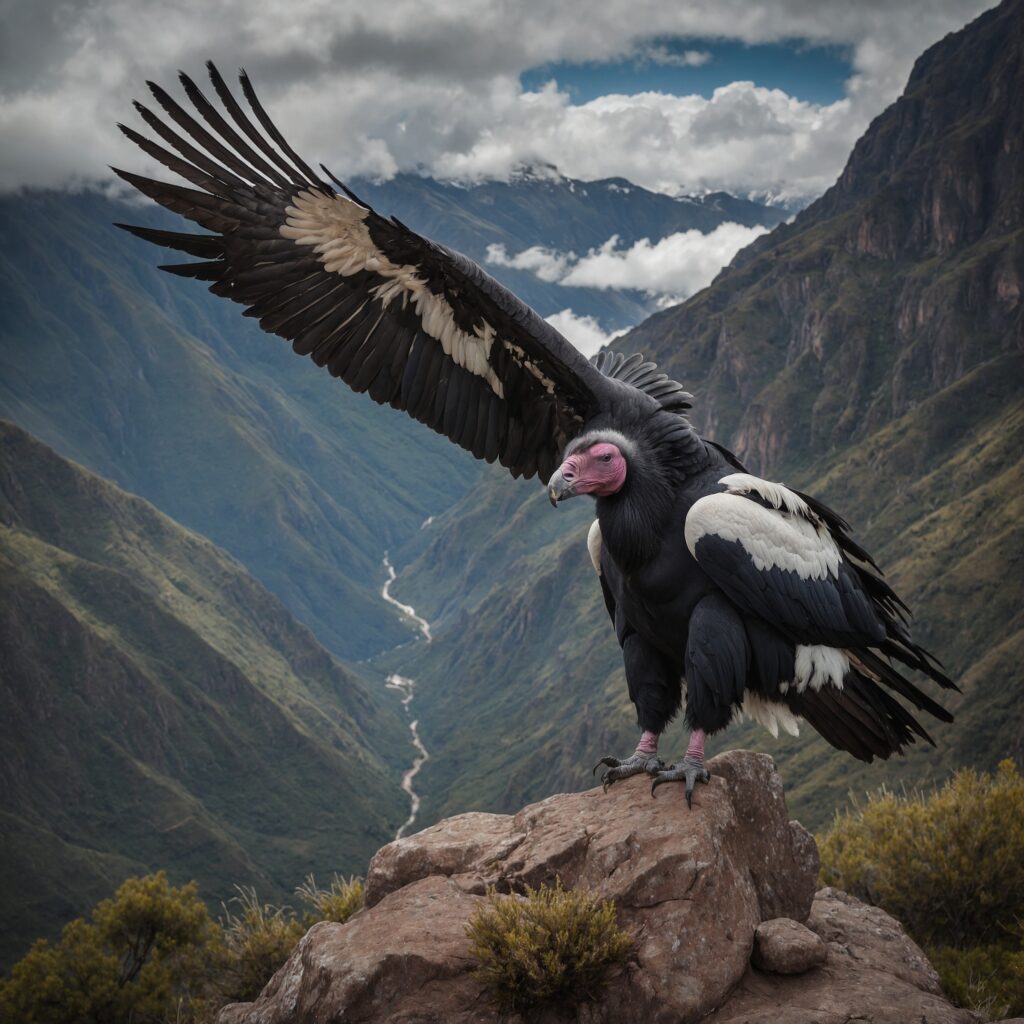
(559, 489)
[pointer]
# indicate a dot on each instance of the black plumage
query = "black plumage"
(749, 594)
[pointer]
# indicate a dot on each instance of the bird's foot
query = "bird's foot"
(638, 762)
(689, 770)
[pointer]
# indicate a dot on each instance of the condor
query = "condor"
(727, 592)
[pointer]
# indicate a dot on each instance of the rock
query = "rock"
(873, 972)
(784, 946)
(404, 960)
(694, 887)
(691, 885)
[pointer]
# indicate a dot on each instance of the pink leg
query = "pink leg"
(696, 748)
(648, 743)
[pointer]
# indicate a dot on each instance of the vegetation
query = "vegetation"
(950, 866)
(553, 947)
(172, 711)
(153, 955)
(258, 937)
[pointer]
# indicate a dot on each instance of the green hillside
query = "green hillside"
(169, 392)
(162, 709)
(869, 353)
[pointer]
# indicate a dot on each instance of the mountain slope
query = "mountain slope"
(162, 709)
(869, 353)
(540, 207)
(170, 393)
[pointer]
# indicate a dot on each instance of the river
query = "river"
(407, 687)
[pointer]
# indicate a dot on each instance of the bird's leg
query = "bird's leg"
(643, 759)
(691, 769)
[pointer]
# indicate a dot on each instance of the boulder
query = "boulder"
(784, 946)
(694, 887)
(873, 972)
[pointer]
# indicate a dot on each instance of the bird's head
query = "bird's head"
(595, 464)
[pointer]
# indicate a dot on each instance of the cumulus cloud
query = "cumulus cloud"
(543, 263)
(414, 85)
(668, 270)
(583, 331)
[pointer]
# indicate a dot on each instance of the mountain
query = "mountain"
(538, 206)
(869, 353)
(163, 710)
(167, 391)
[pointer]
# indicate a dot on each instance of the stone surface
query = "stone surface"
(693, 886)
(784, 946)
(874, 972)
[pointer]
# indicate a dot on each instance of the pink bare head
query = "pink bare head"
(598, 469)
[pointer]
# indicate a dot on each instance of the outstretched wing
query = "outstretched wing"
(416, 325)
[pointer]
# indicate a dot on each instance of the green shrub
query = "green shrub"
(142, 958)
(257, 940)
(551, 947)
(950, 866)
(986, 978)
(336, 903)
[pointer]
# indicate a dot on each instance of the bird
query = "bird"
(729, 594)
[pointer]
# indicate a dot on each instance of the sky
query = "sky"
(754, 98)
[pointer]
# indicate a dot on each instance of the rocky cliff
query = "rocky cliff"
(702, 891)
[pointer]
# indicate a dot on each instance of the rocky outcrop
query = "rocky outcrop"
(694, 887)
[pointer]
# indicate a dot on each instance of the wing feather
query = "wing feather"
(414, 324)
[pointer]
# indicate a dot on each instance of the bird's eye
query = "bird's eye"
(606, 458)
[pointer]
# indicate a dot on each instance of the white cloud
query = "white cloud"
(543, 263)
(434, 86)
(583, 331)
(668, 270)
(660, 54)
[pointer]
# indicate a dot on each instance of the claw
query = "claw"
(635, 764)
(689, 770)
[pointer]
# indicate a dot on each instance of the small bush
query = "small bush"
(337, 903)
(551, 947)
(257, 940)
(950, 866)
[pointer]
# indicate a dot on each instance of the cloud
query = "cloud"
(657, 53)
(668, 270)
(583, 331)
(428, 86)
(543, 263)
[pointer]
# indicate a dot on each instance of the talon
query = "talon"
(689, 770)
(635, 764)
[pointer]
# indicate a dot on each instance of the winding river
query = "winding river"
(407, 687)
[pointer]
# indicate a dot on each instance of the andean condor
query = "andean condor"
(752, 595)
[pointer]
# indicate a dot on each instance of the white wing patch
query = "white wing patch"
(775, 538)
(771, 715)
(336, 228)
(817, 666)
(775, 494)
(594, 545)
